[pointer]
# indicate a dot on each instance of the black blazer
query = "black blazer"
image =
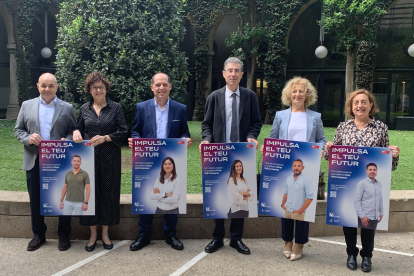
(214, 124)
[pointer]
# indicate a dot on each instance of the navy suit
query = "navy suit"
(145, 127)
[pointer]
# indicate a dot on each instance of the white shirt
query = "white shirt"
(161, 119)
(46, 112)
(229, 103)
(169, 186)
(236, 200)
(297, 126)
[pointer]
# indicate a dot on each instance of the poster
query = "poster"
(159, 176)
(67, 178)
(354, 199)
(229, 180)
(289, 180)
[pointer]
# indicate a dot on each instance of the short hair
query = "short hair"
(310, 91)
(76, 156)
(371, 164)
(298, 160)
(96, 77)
(371, 99)
(168, 77)
(233, 60)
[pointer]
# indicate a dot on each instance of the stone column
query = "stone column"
(13, 107)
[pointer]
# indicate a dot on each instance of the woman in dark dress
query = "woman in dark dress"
(102, 122)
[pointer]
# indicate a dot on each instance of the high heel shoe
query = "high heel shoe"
(287, 253)
(295, 257)
(90, 248)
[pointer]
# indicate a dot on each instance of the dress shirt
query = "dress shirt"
(236, 200)
(368, 199)
(229, 102)
(297, 192)
(46, 112)
(169, 186)
(297, 126)
(161, 118)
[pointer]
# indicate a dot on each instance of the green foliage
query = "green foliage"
(347, 17)
(202, 15)
(127, 40)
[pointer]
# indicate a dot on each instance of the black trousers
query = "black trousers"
(38, 221)
(301, 231)
(236, 229)
(145, 223)
(367, 240)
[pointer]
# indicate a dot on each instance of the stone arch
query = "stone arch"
(7, 19)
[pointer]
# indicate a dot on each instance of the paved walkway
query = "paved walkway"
(394, 255)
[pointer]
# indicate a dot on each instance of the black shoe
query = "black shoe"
(240, 246)
(213, 246)
(175, 243)
(351, 262)
(64, 243)
(366, 264)
(139, 243)
(108, 246)
(90, 248)
(35, 243)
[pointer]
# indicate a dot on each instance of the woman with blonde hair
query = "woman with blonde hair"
(297, 123)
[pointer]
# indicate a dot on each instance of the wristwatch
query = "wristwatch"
(85, 203)
(105, 138)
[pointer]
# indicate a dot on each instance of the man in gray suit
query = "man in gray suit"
(43, 118)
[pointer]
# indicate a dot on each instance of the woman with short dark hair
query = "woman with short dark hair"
(102, 122)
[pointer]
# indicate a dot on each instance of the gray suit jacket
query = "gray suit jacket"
(27, 123)
(314, 131)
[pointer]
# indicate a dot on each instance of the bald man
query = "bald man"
(43, 118)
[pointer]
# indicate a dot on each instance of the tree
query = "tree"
(348, 20)
(249, 36)
(128, 40)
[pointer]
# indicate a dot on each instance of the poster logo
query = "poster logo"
(181, 142)
(315, 146)
(249, 146)
(385, 152)
(87, 144)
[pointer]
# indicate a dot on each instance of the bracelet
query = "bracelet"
(85, 203)
(61, 201)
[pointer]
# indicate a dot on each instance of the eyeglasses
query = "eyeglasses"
(355, 103)
(96, 88)
(233, 70)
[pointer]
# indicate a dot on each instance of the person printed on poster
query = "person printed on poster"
(298, 195)
(73, 199)
(368, 199)
(239, 193)
(167, 188)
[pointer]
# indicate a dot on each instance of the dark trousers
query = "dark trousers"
(38, 221)
(236, 229)
(145, 222)
(367, 240)
(301, 231)
(372, 224)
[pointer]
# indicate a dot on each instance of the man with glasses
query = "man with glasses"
(43, 118)
(231, 115)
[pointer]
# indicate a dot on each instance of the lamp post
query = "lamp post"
(321, 51)
(46, 52)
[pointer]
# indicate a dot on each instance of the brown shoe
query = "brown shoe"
(35, 243)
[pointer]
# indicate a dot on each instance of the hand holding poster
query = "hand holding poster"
(359, 187)
(67, 178)
(159, 176)
(229, 180)
(289, 180)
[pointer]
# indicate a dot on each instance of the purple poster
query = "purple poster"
(359, 187)
(67, 178)
(289, 180)
(229, 180)
(159, 176)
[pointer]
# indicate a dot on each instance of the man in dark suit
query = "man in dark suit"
(43, 118)
(231, 115)
(160, 117)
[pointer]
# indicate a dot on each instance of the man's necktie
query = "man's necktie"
(234, 136)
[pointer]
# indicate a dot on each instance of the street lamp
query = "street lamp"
(411, 48)
(46, 52)
(321, 51)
